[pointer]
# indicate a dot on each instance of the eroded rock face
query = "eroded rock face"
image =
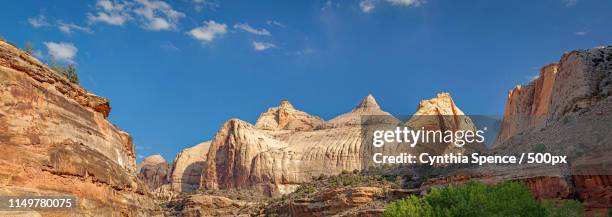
(286, 117)
(579, 80)
(231, 153)
(527, 106)
(208, 205)
(277, 161)
(566, 111)
(349, 201)
(154, 171)
(440, 113)
(56, 140)
(584, 78)
(367, 107)
(188, 167)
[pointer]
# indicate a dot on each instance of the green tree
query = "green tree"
(410, 206)
(69, 72)
(477, 199)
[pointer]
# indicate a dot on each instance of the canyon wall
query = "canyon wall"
(56, 140)
(580, 79)
(566, 111)
(527, 106)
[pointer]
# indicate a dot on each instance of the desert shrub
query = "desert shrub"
(539, 148)
(410, 206)
(477, 199)
(570, 208)
(69, 72)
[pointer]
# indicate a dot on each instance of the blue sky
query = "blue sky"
(176, 71)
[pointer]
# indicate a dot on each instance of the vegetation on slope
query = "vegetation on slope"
(477, 199)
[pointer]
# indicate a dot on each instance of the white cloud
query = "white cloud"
(62, 51)
(158, 15)
(570, 3)
(152, 15)
(406, 3)
(111, 13)
(275, 23)
(246, 27)
(261, 46)
(208, 32)
(581, 33)
(198, 5)
(69, 28)
(367, 5)
(38, 21)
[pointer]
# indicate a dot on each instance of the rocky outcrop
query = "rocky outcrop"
(56, 140)
(154, 171)
(209, 205)
(188, 167)
(527, 106)
(231, 153)
(580, 79)
(584, 78)
(440, 113)
(367, 107)
(344, 201)
(286, 117)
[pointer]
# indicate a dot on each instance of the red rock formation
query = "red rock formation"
(350, 201)
(595, 191)
(527, 106)
(579, 80)
(56, 140)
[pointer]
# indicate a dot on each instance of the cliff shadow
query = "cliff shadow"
(191, 178)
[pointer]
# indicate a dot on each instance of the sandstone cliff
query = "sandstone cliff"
(277, 160)
(580, 79)
(56, 140)
(188, 167)
(527, 106)
(566, 111)
(153, 171)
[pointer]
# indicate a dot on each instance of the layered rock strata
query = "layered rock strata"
(56, 140)
(277, 161)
